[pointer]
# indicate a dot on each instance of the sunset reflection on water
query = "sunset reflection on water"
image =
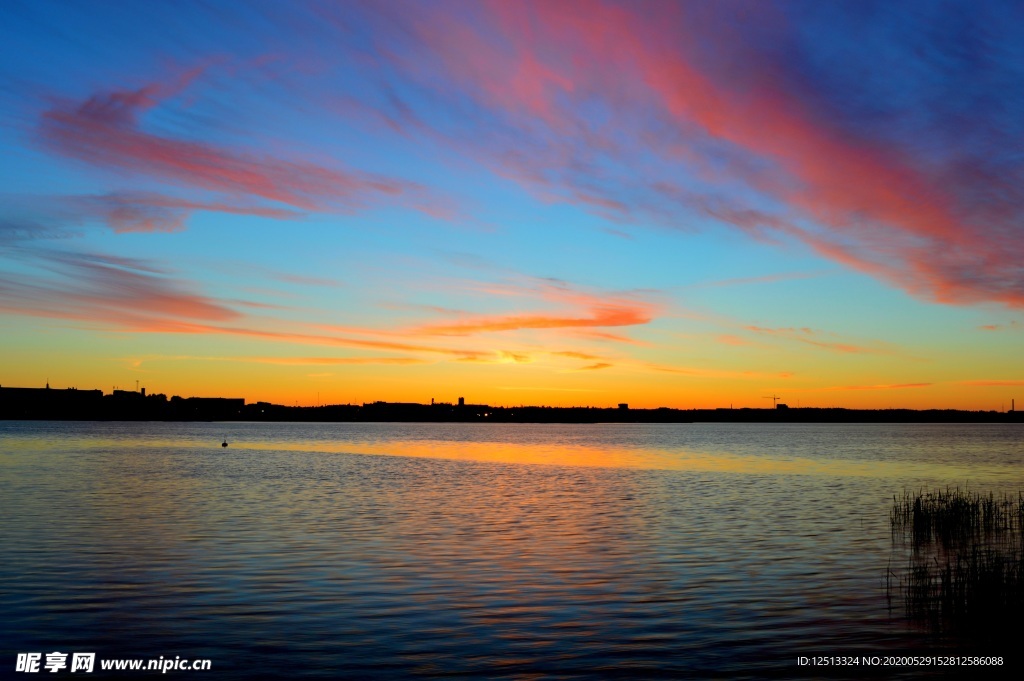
(379, 550)
(801, 458)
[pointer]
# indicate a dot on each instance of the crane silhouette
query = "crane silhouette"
(774, 398)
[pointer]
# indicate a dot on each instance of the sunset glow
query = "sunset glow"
(681, 204)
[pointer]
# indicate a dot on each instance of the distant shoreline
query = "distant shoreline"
(123, 405)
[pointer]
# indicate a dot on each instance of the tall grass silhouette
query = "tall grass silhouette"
(965, 567)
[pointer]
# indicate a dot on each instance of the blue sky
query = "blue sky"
(669, 204)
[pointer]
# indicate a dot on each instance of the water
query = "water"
(475, 550)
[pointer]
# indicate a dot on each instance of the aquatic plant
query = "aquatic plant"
(965, 558)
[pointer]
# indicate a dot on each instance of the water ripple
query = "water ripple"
(291, 555)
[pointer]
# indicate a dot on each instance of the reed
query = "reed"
(965, 564)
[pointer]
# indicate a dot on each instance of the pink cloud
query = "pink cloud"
(149, 212)
(863, 202)
(105, 130)
(107, 289)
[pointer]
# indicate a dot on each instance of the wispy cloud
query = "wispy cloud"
(708, 372)
(546, 388)
(819, 339)
(1000, 327)
(101, 289)
(675, 141)
(54, 216)
(983, 383)
(106, 292)
(106, 130)
(585, 310)
(138, 362)
(730, 339)
(765, 279)
(575, 355)
(148, 212)
(892, 386)
(595, 366)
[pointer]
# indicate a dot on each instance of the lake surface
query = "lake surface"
(356, 550)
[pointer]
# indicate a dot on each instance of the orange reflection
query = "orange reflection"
(645, 459)
(573, 455)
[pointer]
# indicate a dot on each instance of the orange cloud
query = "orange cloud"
(593, 367)
(603, 316)
(597, 311)
(107, 292)
(605, 336)
(575, 355)
(517, 357)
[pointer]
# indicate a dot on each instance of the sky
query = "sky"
(681, 204)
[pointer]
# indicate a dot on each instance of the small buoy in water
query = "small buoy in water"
(224, 444)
